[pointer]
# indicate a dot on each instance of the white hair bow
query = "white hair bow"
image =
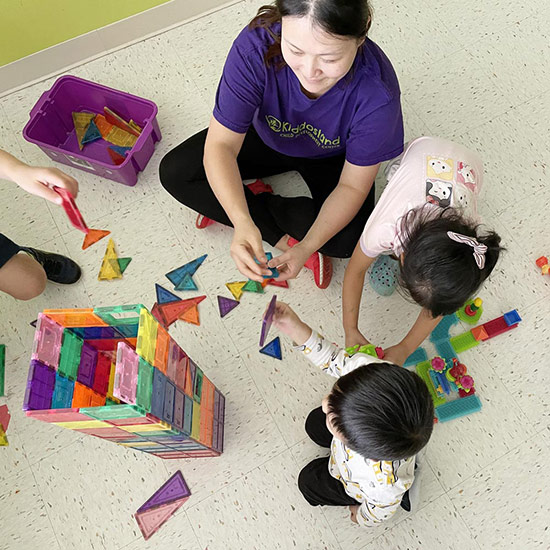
(479, 249)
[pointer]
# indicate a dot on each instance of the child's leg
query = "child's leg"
(316, 428)
(320, 488)
(20, 275)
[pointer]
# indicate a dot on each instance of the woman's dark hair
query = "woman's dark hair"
(437, 272)
(384, 412)
(349, 18)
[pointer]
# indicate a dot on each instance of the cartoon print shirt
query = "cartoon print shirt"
(431, 170)
(360, 116)
(378, 486)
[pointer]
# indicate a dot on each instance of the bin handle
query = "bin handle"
(39, 104)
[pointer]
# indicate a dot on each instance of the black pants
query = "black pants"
(315, 481)
(8, 249)
(182, 174)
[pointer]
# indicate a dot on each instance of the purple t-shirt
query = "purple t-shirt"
(360, 115)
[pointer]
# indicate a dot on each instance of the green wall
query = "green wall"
(28, 26)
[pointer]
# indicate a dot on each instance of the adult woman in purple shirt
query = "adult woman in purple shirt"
(303, 89)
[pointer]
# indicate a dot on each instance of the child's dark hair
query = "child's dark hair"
(439, 273)
(348, 18)
(384, 412)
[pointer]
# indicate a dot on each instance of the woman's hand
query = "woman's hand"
(288, 322)
(290, 263)
(354, 338)
(40, 182)
(247, 245)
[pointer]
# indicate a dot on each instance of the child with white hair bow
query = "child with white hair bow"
(424, 235)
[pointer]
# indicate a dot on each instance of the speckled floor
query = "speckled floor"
(475, 71)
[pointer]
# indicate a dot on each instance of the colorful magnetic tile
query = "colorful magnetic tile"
(174, 489)
(196, 425)
(175, 276)
(93, 236)
(147, 336)
(225, 305)
(179, 405)
(145, 385)
(150, 521)
(63, 392)
(123, 263)
(69, 358)
(197, 387)
(72, 211)
(113, 411)
(97, 400)
(92, 133)
(58, 415)
(169, 396)
(188, 415)
(157, 397)
(445, 350)
(81, 425)
(191, 316)
(3, 438)
(126, 374)
(165, 296)
(119, 315)
(5, 417)
(253, 286)
(274, 272)
(236, 288)
(47, 341)
(40, 386)
(162, 349)
(82, 396)
(187, 283)
(87, 366)
(267, 319)
(273, 349)
(75, 317)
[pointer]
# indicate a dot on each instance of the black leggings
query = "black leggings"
(315, 481)
(182, 174)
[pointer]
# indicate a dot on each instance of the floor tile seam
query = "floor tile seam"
(46, 508)
(202, 499)
(522, 412)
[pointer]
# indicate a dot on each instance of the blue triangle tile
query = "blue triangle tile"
(186, 283)
(175, 276)
(273, 349)
(165, 296)
(92, 133)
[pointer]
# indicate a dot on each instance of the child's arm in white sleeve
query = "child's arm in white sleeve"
(330, 358)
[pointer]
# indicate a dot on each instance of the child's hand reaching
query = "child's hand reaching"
(40, 182)
(286, 320)
(354, 338)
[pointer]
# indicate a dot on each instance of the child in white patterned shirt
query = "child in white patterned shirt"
(377, 417)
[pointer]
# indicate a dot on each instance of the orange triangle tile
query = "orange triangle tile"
(93, 236)
(191, 315)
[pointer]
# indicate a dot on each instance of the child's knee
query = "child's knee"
(23, 278)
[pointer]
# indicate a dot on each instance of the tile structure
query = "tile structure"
(113, 373)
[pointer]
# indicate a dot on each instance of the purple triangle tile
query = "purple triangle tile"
(226, 305)
(174, 489)
(268, 319)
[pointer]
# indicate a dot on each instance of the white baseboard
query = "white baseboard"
(67, 55)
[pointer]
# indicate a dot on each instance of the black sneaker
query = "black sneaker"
(58, 268)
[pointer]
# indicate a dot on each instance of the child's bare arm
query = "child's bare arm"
(354, 280)
(36, 180)
(288, 322)
(421, 329)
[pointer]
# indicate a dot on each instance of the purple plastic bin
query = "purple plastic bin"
(51, 127)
